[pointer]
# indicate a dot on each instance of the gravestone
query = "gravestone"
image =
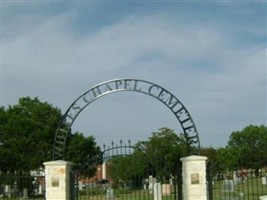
(8, 190)
(40, 191)
(80, 186)
(157, 191)
(150, 184)
(145, 184)
(228, 185)
(25, 193)
(110, 193)
(166, 189)
(264, 180)
(263, 197)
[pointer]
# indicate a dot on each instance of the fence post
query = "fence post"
(209, 179)
(194, 178)
(57, 180)
(179, 182)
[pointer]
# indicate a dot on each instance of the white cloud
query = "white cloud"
(220, 84)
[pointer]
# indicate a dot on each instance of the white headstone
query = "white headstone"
(171, 181)
(264, 180)
(80, 185)
(8, 190)
(25, 192)
(110, 193)
(157, 191)
(145, 184)
(150, 184)
(263, 197)
(40, 191)
(228, 185)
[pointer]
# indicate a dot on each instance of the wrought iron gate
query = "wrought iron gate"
(124, 172)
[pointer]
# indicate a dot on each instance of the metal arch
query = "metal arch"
(107, 153)
(119, 85)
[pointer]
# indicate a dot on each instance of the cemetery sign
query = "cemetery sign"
(118, 85)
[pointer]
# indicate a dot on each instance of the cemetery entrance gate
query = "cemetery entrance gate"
(125, 172)
(131, 85)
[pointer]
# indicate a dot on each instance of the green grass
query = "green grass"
(123, 194)
(250, 189)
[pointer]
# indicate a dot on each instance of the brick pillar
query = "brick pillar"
(194, 178)
(57, 180)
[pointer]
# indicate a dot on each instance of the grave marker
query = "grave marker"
(228, 185)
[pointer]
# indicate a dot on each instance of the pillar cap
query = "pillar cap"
(57, 163)
(193, 158)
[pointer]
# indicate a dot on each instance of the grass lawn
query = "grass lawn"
(123, 194)
(250, 189)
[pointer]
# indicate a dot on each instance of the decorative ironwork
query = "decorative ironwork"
(135, 180)
(119, 85)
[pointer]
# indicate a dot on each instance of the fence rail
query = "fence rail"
(22, 187)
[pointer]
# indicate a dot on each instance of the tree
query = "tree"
(210, 153)
(2, 123)
(226, 159)
(249, 146)
(220, 159)
(80, 150)
(164, 150)
(132, 168)
(27, 134)
(158, 156)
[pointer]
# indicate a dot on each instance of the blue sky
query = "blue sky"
(211, 55)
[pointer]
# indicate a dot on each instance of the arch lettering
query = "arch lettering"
(118, 85)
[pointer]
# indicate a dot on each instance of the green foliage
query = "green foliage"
(249, 147)
(80, 150)
(3, 119)
(124, 164)
(158, 156)
(164, 150)
(245, 149)
(93, 191)
(210, 153)
(225, 159)
(124, 169)
(27, 134)
(221, 159)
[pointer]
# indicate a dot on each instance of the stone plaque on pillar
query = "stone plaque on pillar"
(55, 181)
(194, 179)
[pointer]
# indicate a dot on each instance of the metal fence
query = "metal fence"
(22, 187)
(240, 184)
(130, 190)
(120, 176)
